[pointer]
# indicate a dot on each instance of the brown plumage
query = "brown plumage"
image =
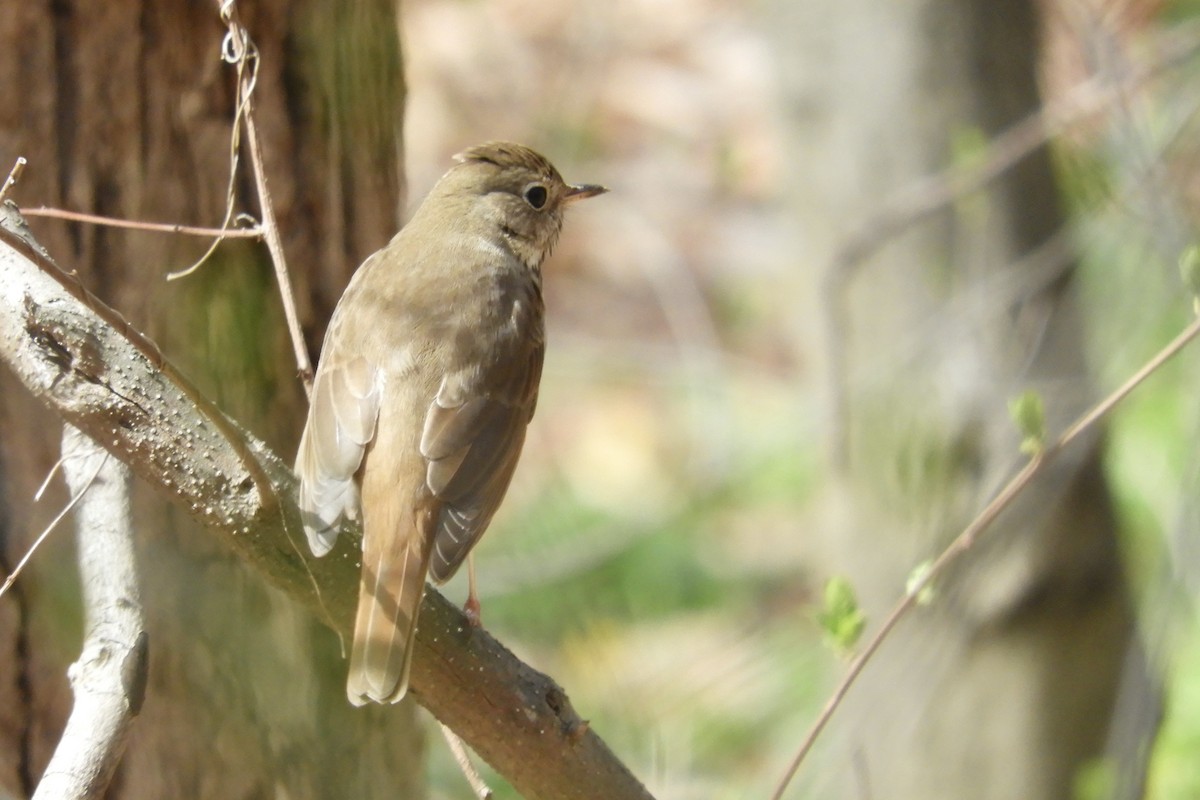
(427, 379)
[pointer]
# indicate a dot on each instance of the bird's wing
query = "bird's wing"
(471, 442)
(341, 423)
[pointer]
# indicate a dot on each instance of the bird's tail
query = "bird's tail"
(389, 598)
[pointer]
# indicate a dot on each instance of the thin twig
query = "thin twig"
(1106, 405)
(54, 468)
(459, 750)
(156, 227)
(238, 49)
(275, 246)
(977, 526)
(13, 176)
(11, 579)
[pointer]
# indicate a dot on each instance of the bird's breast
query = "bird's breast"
(466, 301)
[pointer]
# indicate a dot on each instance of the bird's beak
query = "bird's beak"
(583, 191)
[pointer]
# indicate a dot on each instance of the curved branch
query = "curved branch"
(109, 679)
(80, 358)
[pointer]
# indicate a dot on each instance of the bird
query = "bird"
(427, 379)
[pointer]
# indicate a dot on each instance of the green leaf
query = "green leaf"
(1029, 414)
(841, 618)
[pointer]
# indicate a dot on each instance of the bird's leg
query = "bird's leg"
(472, 608)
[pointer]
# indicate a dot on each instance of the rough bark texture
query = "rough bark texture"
(123, 108)
(1006, 685)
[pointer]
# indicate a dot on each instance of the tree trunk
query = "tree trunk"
(124, 109)
(1006, 684)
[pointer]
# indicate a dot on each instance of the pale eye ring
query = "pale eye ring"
(536, 195)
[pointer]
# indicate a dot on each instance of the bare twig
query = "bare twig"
(963, 542)
(16, 573)
(459, 750)
(275, 246)
(109, 677)
(13, 176)
(239, 49)
(137, 225)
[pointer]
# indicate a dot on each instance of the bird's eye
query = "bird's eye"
(535, 195)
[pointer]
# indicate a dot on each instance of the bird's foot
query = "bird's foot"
(473, 611)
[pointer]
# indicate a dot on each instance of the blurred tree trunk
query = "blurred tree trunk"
(124, 108)
(1006, 685)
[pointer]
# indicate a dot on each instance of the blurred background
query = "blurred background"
(737, 406)
(841, 236)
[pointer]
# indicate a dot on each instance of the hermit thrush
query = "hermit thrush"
(428, 376)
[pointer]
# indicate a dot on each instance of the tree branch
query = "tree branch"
(109, 679)
(84, 361)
